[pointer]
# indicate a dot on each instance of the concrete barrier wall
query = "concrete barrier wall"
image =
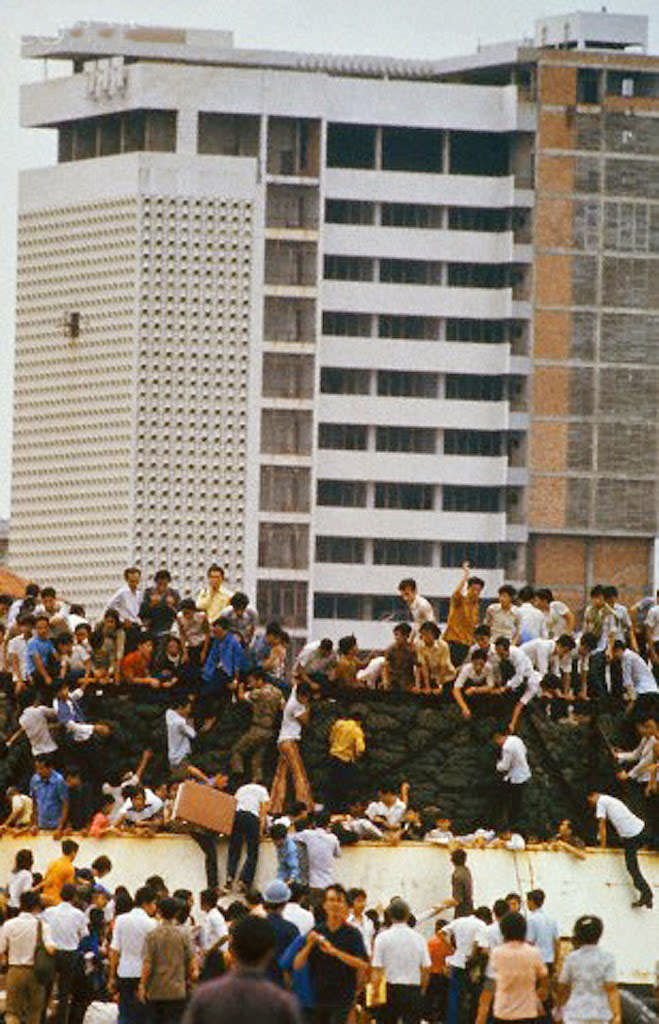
(420, 872)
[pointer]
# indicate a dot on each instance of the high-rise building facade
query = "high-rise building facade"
(332, 321)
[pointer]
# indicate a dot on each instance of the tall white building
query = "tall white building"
(274, 310)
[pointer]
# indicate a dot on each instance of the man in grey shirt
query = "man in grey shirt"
(245, 994)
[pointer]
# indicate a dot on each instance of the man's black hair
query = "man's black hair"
(409, 581)
(167, 908)
(346, 643)
(536, 896)
(589, 640)
(144, 895)
(278, 831)
(476, 580)
(597, 590)
(68, 892)
(502, 641)
(513, 927)
(239, 600)
(187, 605)
(163, 574)
(506, 588)
(48, 592)
(252, 940)
(459, 857)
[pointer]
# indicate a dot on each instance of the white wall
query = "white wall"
(420, 873)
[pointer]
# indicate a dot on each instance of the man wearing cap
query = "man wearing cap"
(275, 897)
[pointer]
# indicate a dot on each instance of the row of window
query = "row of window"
(412, 384)
(423, 272)
(422, 215)
(419, 328)
(420, 497)
(353, 550)
(424, 150)
(418, 440)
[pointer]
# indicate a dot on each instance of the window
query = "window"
(473, 387)
(588, 85)
(402, 383)
(339, 606)
(407, 496)
(285, 431)
(340, 549)
(228, 134)
(421, 328)
(478, 275)
(351, 145)
(287, 376)
(347, 325)
(284, 545)
(472, 442)
(343, 493)
(477, 330)
(402, 552)
(283, 600)
(412, 149)
(405, 439)
(335, 381)
(348, 211)
(411, 215)
(160, 131)
(471, 499)
(410, 272)
(348, 436)
(348, 268)
(479, 153)
(480, 556)
(284, 489)
(476, 218)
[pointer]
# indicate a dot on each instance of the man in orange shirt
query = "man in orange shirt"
(58, 873)
(439, 948)
(463, 615)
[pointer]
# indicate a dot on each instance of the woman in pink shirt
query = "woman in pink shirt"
(519, 976)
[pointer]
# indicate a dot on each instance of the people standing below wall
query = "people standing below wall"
(127, 955)
(520, 977)
(587, 988)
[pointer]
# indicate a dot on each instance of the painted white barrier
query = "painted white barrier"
(420, 872)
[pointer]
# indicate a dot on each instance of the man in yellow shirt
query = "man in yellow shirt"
(463, 615)
(346, 745)
(214, 598)
(59, 872)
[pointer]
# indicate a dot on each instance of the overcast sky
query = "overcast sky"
(405, 28)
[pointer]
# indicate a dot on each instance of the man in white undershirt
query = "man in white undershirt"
(630, 830)
(513, 767)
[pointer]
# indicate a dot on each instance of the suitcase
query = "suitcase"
(203, 805)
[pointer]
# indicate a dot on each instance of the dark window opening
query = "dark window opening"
(412, 149)
(351, 145)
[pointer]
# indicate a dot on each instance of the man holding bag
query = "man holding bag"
(20, 938)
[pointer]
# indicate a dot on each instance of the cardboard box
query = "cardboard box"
(205, 806)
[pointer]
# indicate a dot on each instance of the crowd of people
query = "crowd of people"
(290, 954)
(192, 658)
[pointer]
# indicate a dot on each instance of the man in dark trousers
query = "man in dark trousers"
(245, 994)
(338, 961)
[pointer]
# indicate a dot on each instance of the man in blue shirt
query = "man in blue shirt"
(288, 863)
(275, 897)
(40, 654)
(541, 930)
(225, 661)
(50, 794)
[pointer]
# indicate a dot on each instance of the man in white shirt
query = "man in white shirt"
(180, 733)
(126, 600)
(531, 619)
(252, 804)
(644, 755)
(559, 618)
(630, 830)
(34, 722)
(302, 919)
(515, 773)
(141, 808)
(419, 607)
(542, 930)
(388, 811)
(467, 934)
(214, 931)
(25, 997)
(476, 676)
(296, 714)
(359, 919)
(68, 926)
(552, 657)
(322, 849)
(401, 955)
(637, 677)
(518, 675)
(127, 954)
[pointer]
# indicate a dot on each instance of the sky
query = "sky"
(402, 28)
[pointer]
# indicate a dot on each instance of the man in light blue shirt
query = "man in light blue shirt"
(541, 930)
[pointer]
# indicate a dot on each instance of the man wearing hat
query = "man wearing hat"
(275, 897)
